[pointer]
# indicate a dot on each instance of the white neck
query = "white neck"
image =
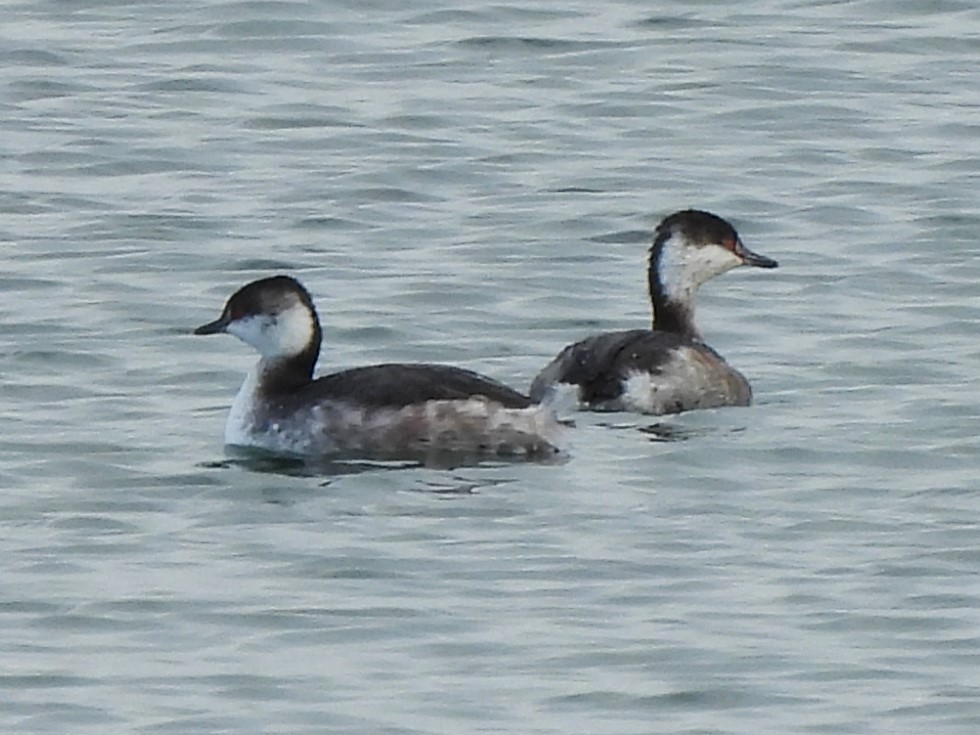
(240, 417)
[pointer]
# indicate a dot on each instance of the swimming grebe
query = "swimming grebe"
(669, 368)
(388, 410)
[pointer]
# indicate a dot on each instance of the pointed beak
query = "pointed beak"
(216, 327)
(750, 258)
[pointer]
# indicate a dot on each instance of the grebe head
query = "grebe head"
(689, 248)
(274, 315)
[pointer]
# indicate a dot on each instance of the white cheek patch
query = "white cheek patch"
(287, 333)
(684, 267)
(253, 330)
(294, 329)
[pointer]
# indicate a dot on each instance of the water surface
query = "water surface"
(476, 184)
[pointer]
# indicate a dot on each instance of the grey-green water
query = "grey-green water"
(475, 184)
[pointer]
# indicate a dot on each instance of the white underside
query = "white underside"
(691, 379)
(475, 425)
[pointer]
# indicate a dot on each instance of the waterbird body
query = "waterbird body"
(390, 409)
(669, 368)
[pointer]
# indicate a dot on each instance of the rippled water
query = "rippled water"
(476, 184)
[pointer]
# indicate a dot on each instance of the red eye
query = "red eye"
(729, 244)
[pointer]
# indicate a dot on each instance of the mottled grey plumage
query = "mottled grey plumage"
(380, 409)
(666, 369)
